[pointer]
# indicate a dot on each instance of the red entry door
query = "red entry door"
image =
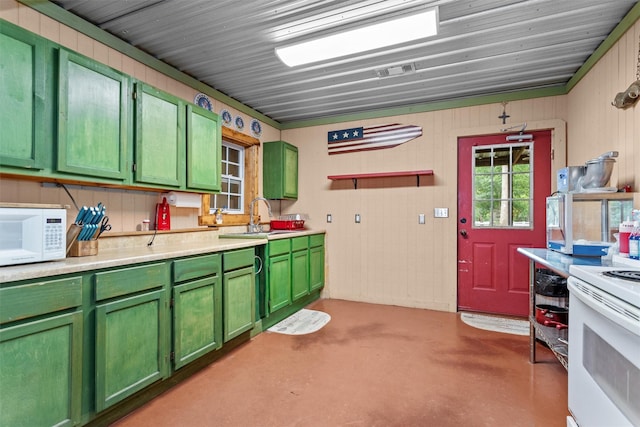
(501, 206)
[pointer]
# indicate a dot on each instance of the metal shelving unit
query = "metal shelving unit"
(558, 263)
(552, 338)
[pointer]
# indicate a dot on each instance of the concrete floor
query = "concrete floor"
(371, 365)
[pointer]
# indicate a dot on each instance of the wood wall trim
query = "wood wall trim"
(239, 137)
(251, 169)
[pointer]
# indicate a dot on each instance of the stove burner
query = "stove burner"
(624, 275)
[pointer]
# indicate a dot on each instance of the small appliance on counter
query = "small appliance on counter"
(32, 233)
(163, 215)
(593, 177)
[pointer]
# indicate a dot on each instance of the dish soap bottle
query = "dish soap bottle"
(218, 216)
(634, 241)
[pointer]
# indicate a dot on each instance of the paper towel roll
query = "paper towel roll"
(183, 200)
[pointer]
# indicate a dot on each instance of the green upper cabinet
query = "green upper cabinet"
(160, 137)
(280, 170)
(168, 131)
(22, 98)
(92, 118)
(204, 149)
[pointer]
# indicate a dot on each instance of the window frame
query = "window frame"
(510, 200)
(251, 168)
(230, 146)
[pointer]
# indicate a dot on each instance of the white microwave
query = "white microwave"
(32, 234)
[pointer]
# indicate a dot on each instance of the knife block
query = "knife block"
(84, 248)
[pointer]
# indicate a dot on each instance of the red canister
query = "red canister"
(625, 230)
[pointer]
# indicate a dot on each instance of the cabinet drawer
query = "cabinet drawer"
(192, 268)
(316, 240)
(238, 259)
(299, 243)
(129, 280)
(277, 247)
(33, 299)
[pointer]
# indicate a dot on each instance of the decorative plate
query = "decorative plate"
(203, 101)
(256, 128)
(239, 123)
(226, 117)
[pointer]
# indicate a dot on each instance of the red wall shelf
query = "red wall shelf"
(355, 176)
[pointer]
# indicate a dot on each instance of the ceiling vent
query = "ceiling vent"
(397, 70)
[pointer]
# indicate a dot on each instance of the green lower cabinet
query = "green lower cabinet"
(279, 281)
(197, 319)
(316, 262)
(131, 346)
(299, 274)
(41, 372)
(239, 292)
(197, 307)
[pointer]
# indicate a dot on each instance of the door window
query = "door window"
(503, 186)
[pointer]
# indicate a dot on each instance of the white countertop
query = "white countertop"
(135, 251)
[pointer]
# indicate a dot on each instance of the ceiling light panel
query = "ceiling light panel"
(340, 16)
(376, 36)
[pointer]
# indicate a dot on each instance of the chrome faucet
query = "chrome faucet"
(256, 228)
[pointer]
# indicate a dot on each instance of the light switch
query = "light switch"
(329, 218)
(420, 218)
(441, 212)
(357, 218)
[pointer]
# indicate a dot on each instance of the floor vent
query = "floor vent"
(397, 70)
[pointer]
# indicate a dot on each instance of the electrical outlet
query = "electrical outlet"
(441, 212)
(420, 218)
(357, 218)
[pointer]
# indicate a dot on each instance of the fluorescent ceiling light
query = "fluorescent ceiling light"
(376, 36)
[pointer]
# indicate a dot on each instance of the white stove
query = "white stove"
(604, 345)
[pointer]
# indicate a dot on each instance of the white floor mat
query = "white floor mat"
(496, 323)
(303, 322)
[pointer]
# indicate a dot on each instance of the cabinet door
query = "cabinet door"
(22, 96)
(316, 267)
(279, 282)
(290, 179)
(204, 149)
(131, 346)
(41, 372)
(197, 319)
(92, 118)
(280, 170)
(239, 293)
(299, 274)
(160, 137)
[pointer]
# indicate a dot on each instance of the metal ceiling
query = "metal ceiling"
(484, 47)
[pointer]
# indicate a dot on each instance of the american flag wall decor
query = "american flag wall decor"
(371, 138)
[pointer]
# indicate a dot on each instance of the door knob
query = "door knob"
(463, 233)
